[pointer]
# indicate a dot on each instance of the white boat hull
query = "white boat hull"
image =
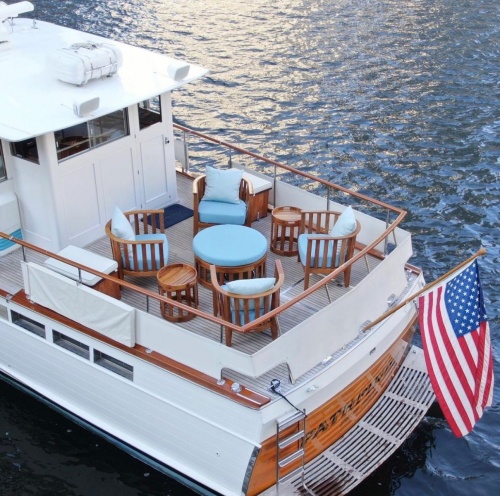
(203, 435)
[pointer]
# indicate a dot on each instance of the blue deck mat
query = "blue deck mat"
(174, 214)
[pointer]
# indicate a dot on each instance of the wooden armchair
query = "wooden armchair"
(210, 213)
(326, 241)
(239, 304)
(141, 254)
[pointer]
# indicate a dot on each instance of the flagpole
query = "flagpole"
(481, 252)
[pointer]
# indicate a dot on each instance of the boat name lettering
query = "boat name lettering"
(341, 412)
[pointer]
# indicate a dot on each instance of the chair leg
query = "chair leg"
(347, 277)
(229, 336)
(275, 330)
(215, 304)
(367, 263)
(306, 278)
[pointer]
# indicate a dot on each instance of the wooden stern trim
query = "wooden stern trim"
(335, 418)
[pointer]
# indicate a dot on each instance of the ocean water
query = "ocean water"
(398, 99)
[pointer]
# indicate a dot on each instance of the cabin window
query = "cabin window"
(149, 112)
(114, 365)
(3, 171)
(71, 344)
(91, 134)
(28, 324)
(26, 149)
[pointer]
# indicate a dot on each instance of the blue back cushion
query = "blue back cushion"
(222, 185)
(120, 226)
(251, 286)
(346, 223)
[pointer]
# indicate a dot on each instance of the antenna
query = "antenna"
(11, 11)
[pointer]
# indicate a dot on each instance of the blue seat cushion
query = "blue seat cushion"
(302, 246)
(140, 262)
(214, 212)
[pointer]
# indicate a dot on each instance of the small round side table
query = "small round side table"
(285, 225)
(178, 282)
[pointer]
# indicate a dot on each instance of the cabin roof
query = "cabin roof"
(35, 102)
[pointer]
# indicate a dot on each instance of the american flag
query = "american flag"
(457, 348)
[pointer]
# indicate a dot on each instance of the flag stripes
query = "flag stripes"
(456, 339)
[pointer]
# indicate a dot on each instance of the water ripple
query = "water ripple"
(398, 100)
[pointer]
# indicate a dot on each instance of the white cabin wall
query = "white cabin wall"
(7, 156)
(118, 179)
(34, 187)
(90, 185)
(69, 202)
(10, 219)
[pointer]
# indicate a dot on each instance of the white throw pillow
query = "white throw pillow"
(120, 226)
(346, 223)
(222, 185)
(251, 286)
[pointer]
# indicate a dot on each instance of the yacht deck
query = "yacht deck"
(180, 251)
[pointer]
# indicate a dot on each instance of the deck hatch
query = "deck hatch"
(28, 324)
(71, 344)
(114, 365)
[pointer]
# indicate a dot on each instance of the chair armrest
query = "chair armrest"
(279, 273)
(142, 242)
(199, 185)
(247, 184)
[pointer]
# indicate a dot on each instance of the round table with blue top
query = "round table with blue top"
(238, 252)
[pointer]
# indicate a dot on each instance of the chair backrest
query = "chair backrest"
(317, 221)
(199, 185)
(241, 309)
(324, 252)
(141, 257)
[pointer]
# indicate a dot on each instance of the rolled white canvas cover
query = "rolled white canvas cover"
(77, 302)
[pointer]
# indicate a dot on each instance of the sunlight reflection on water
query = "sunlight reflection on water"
(396, 99)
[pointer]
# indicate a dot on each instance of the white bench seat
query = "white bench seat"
(83, 257)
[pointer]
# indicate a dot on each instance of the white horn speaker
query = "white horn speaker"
(84, 106)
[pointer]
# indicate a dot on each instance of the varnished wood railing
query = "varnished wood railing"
(400, 213)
